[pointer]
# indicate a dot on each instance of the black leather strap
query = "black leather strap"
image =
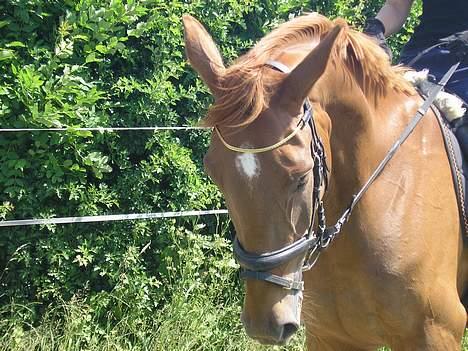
(273, 259)
(286, 283)
(333, 231)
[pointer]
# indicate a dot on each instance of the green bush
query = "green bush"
(100, 63)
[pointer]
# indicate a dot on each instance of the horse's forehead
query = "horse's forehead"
(252, 169)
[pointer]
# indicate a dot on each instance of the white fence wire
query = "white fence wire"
(99, 129)
(107, 218)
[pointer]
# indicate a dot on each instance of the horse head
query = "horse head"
(268, 191)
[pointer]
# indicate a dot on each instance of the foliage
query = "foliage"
(99, 63)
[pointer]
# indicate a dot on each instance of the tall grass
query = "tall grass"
(189, 322)
(197, 316)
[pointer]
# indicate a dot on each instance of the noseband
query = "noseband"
(308, 247)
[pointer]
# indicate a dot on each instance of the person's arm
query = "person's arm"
(388, 21)
(393, 15)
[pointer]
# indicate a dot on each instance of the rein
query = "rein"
(311, 244)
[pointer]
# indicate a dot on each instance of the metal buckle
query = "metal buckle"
(312, 258)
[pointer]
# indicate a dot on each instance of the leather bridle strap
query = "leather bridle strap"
(272, 259)
(287, 284)
(283, 141)
(331, 232)
(278, 65)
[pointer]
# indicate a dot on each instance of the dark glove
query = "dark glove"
(375, 28)
(457, 44)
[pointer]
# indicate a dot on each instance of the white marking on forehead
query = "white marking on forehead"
(247, 164)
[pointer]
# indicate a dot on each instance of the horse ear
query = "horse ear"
(202, 53)
(297, 85)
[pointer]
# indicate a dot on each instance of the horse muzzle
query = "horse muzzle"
(276, 325)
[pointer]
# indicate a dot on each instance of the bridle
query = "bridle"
(259, 266)
(310, 245)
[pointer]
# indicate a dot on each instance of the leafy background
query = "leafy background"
(166, 284)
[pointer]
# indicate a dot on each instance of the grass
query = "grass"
(188, 322)
(202, 314)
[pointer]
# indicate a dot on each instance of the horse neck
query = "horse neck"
(362, 133)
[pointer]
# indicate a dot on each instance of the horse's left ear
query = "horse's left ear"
(297, 85)
(202, 53)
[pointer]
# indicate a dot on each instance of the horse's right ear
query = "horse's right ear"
(202, 53)
(297, 85)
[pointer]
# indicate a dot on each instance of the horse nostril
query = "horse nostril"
(289, 329)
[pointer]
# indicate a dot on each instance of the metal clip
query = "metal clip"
(312, 258)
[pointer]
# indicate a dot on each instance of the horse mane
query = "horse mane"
(244, 90)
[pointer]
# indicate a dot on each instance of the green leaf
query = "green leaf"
(6, 54)
(64, 49)
(17, 44)
(101, 48)
(92, 58)
(81, 37)
(4, 23)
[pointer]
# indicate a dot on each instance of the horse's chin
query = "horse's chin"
(272, 342)
(275, 325)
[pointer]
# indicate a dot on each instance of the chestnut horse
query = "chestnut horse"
(397, 271)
